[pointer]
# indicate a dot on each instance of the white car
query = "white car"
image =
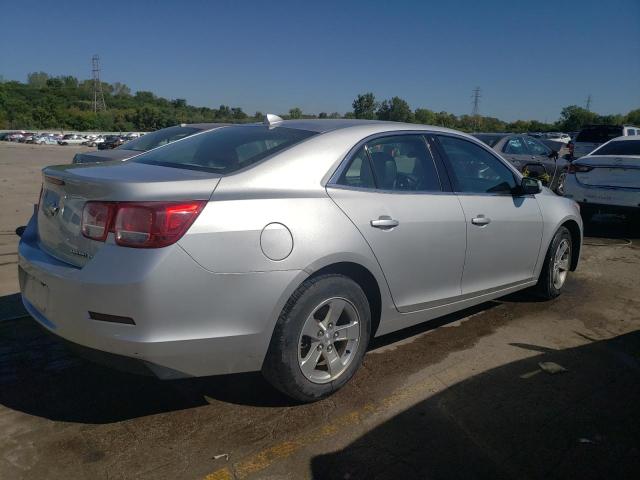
(557, 137)
(608, 179)
(592, 136)
(72, 139)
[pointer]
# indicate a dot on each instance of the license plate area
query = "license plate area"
(36, 292)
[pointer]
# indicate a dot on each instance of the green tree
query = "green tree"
(573, 118)
(37, 79)
(364, 106)
(295, 113)
(395, 110)
(424, 116)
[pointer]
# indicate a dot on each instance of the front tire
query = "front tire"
(320, 338)
(556, 266)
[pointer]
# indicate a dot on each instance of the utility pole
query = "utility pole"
(475, 113)
(588, 103)
(99, 104)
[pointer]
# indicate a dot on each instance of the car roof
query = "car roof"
(326, 125)
(626, 138)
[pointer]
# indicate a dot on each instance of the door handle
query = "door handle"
(384, 222)
(481, 220)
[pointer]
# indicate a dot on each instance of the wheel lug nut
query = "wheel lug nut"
(329, 348)
(335, 335)
(320, 333)
(320, 347)
(331, 325)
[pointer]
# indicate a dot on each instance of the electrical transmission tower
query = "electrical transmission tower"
(588, 103)
(98, 97)
(475, 113)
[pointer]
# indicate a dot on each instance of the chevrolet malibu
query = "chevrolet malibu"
(285, 246)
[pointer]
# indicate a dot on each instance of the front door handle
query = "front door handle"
(384, 222)
(481, 220)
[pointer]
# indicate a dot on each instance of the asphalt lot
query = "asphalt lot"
(459, 397)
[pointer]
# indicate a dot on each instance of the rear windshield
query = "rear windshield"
(622, 147)
(161, 137)
(599, 134)
(490, 140)
(226, 149)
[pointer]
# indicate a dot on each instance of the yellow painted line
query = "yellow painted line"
(267, 457)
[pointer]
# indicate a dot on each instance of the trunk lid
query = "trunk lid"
(610, 171)
(67, 188)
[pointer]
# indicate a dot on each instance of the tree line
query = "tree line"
(65, 102)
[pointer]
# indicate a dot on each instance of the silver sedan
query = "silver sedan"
(286, 246)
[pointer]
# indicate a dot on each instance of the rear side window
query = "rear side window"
(599, 134)
(537, 148)
(474, 169)
(398, 163)
(622, 147)
(226, 149)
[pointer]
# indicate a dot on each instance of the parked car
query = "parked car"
(530, 156)
(72, 139)
(111, 141)
(608, 179)
(144, 143)
(46, 139)
(94, 140)
(286, 247)
(557, 137)
(592, 136)
(15, 136)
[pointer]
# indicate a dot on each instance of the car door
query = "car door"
(504, 229)
(403, 207)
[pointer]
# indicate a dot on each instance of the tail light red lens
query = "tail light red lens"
(573, 168)
(143, 224)
(96, 219)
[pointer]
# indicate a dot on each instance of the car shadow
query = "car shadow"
(514, 421)
(43, 376)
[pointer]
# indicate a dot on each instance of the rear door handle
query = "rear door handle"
(384, 222)
(481, 220)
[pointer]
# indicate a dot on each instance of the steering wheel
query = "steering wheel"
(407, 181)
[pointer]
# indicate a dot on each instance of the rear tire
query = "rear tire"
(320, 338)
(557, 264)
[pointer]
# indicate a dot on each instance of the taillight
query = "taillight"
(575, 168)
(141, 224)
(96, 220)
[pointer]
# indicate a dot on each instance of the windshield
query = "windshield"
(160, 137)
(226, 149)
(599, 134)
(621, 147)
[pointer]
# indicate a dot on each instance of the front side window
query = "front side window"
(515, 146)
(474, 169)
(226, 149)
(537, 148)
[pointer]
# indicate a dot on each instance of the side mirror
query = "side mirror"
(530, 186)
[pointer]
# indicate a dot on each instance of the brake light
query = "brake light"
(574, 168)
(140, 224)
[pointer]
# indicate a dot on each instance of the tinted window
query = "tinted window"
(475, 170)
(515, 146)
(403, 162)
(599, 134)
(537, 148)
(161, 137)
(621, 147)
(226, 149)
(359, 172)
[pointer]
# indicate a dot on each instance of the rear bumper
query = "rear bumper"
(625, 198)
(188, 321)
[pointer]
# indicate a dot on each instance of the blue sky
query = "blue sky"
(529, 58)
